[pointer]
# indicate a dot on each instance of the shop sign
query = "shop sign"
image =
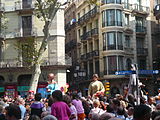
(1, 89)
(23, 88)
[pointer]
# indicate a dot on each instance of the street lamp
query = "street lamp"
(79, 74)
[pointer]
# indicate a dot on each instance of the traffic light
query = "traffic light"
(107, 88)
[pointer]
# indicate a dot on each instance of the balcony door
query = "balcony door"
(26, 4)
(27, 25)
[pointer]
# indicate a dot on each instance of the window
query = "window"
(26, 3)
(78, 15)
(96, 45)
(113, 41)
(128, 64)
(96, 23)
(97, 67)
(127, 41)
(113, 64)
(27, 25)
(119, 17)
(120, 63)
(111, 18)
(140, 24)
(90, 26)
(119, 41)
(140, 42)
(85, 49)
(79, 33)
(126, 19)
(141, 64)
(90, 69)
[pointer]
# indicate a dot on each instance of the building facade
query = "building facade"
(155, 39)
(113, 35)
(23, 26)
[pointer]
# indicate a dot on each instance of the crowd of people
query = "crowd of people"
(70, 106)
(73, 106)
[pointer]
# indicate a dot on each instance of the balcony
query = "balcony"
(127, 6)
(7, 63)
(88, 35)
(141, 29)
(25, 32)
(86, 17)
(128, 29)
(24, 7)
(90, 55)
(95, 53)
(142, 51)
(70, 26)
(94, 31)
(83, 37)
(128, 50)
(140, 9)
(83, 57)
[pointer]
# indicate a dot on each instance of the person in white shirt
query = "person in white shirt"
(96, 109)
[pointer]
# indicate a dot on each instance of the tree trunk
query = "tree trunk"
(35, 77)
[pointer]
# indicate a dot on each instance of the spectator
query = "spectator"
(106, 116)
(20, 103)
(50, 102)
(13, 112)
(78, 105)
(130, 113)
(142, 112)
(59, 109)
(95, 116)
(37, 107)
(49, 117)
(34, 117)
(2, 116)
(67, 100)
(96, 108)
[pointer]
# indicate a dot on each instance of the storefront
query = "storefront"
(23, 91)
(11, 91)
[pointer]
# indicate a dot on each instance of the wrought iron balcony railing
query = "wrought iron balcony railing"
(25, 32)
(136, 7)
(7, 63)
(141, 29)
(94, 31)
(142, 51)
(140, 8)
(88, 15)
(19, 5)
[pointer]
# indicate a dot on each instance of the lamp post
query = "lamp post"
(79, 74)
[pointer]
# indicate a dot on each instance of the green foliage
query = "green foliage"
(28, 50)
(94, 2)
(45, 8)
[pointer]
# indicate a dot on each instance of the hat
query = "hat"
(95, 75)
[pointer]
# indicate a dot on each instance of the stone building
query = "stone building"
(23, 26)
(113, 35)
